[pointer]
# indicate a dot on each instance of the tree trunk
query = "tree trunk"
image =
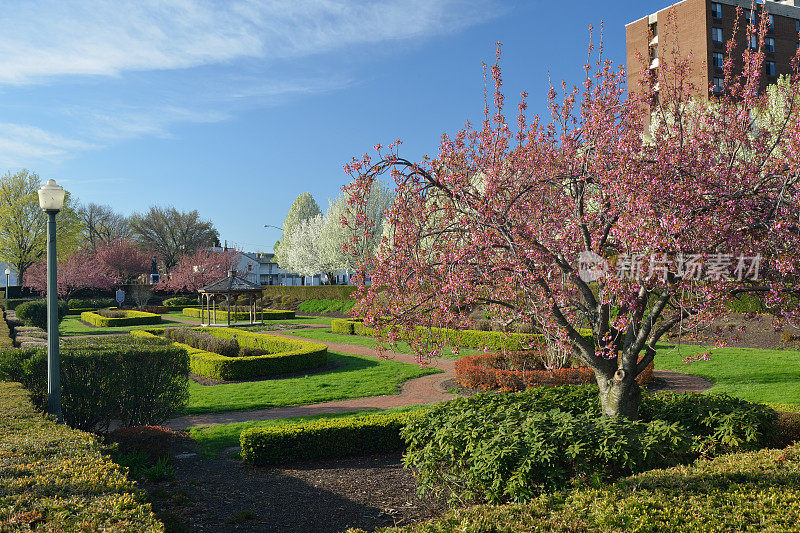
(619, 394)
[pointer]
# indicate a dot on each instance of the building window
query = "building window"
(719, 60)
(719, 84)
(753, 42)
(654, 29)
(771, 68)
(716, 35)
(770, 22)
(797, 27)
(769, 44)
(653, 52)
(716, 10)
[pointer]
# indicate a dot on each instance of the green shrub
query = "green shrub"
(755, 491)
(13, 303)
(310, 292)
(136, 381)
(57, 479)
(179, 301)
(131, 318)
(222, 316)
(326, 306)
(502, 447)
(281, 355)
(34, 313)
(92, 303)
(327, 437)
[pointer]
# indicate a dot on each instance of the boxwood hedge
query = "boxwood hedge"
(222, 316)
(56, 478)
(133, 318)
(468, 338)
(323, 438)
(284, 355)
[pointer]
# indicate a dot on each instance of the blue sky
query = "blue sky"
(236, 107)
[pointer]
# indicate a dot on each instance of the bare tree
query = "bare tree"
(172, 233)
(103, 225)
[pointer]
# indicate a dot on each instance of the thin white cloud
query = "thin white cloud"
(50, 38)
(21, 144)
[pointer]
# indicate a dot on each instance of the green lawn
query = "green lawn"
(354, 376)
(214, 439)
(72, 325)
(325, 335)
(768, 376)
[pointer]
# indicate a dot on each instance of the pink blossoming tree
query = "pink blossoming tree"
(202, 267)
(123, 259)
(669, 212)
(78, 272)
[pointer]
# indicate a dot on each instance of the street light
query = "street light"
(8, 273)
(51, 200)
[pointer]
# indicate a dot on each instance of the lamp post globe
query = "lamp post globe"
(51, 200)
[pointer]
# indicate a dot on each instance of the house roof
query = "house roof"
(231, 284)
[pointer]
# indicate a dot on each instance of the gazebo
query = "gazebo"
(229, 287)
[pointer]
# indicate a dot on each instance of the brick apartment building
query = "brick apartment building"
(703, 28)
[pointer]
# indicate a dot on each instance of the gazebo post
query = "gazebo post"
(228, 301)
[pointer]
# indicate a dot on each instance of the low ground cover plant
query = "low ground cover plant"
(754, 491)
(512, 447)
(115, 318)
(135, 381)
(278, 355)
(324, 438)
(56, 478)
(34, 313)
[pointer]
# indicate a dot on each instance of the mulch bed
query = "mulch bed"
(225, 495)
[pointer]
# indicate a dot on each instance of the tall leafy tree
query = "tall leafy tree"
(23, 225)
(171, 233)
(123, 260)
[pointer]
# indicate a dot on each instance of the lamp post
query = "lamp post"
(8, 273)
(51, 200)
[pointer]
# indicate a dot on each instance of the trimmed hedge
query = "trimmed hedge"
(323, 438)
(284, 355)
(756, 491)
(133, 318)
(222, 316)
(91, 303)
(136, 381)
(57, 479)
(13, 303)
(311, 292)
(468, 338)
(326, 306)
(34, 313)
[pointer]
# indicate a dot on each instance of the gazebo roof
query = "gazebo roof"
(230, 284)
